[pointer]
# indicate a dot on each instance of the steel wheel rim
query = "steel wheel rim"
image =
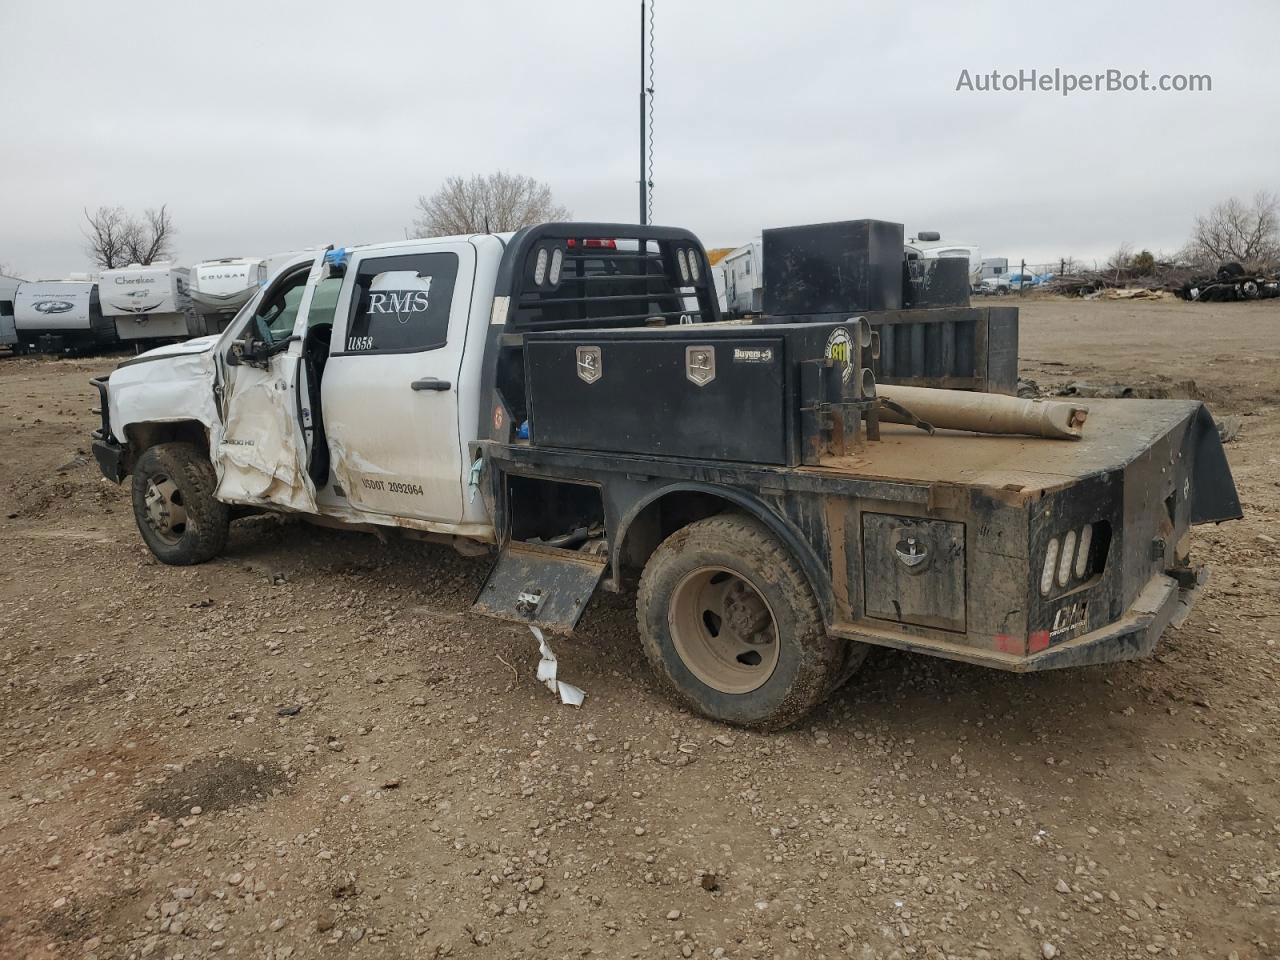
(724, 630)
(166, 512)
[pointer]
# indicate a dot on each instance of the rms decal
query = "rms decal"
(402, 304)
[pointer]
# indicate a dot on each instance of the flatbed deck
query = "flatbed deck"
(1116, 432)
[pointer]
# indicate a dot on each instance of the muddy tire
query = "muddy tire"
(730, 625)
(174, 506)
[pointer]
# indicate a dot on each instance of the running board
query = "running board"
(544, 586)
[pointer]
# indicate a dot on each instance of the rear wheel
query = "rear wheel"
(174, 506)
(729, 622)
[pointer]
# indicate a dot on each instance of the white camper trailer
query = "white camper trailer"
(219, 288)
(744, 280)
(8, 330)
(61, 316)
(147, 302)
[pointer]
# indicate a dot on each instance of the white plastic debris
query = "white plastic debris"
(547, 668)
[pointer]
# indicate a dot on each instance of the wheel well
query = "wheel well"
(142, 436)
(668, 512)
(659, 519)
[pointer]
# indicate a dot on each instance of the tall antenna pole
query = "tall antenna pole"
(644, 187)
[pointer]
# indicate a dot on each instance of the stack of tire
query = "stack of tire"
(1231, 282)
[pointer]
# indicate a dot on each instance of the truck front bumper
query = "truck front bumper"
(1162, 602)
(110, 457)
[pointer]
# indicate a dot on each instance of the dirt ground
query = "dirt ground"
(309, 748)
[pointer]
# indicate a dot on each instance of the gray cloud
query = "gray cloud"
(272, 126)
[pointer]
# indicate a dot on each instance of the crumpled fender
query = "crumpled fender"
(164, 386)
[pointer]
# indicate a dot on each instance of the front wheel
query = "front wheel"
(174, 506)
(728, 621)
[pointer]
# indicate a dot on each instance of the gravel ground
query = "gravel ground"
(309, 748)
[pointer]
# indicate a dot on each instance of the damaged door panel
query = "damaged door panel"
(544, 586)
(261, 456)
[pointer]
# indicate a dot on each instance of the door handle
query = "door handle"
(430, 383)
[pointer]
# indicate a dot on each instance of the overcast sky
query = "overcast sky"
(273, 126)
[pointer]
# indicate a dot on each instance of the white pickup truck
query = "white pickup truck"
(565, 397)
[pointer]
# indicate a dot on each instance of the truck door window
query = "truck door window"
(277, 313)
(324, 302)
(401, 304)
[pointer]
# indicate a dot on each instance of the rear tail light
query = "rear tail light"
(1071, 557)
(1050, 565)
(557, 261)
(1068, 555)
(684, 265)
(540, 267)
(1082, 552)
(597, 243)
(695, 270)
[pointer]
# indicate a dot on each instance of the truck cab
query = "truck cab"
(301, 399)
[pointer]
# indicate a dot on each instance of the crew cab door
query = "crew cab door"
(390, 390)
(261, 454)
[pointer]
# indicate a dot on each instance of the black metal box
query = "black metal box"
(937, 282)
(678, 393)
(846, 266)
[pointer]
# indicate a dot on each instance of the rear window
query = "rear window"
(401, 304)
(610, 282)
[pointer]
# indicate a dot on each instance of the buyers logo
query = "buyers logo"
(54, 306)
(753, 355)
(840, 350)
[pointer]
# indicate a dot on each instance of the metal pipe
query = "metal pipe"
(985, 412)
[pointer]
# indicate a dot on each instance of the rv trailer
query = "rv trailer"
(219, 288)
(60, 316)
(147, 302)
(743, 272)
(8, 330)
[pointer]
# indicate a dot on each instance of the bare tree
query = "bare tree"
(486, 204)
(1248, 233)
(117, 238)
(1118, 263)
(105, 236)
(152, 238)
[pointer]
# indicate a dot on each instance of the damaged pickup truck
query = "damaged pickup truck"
(849, 470)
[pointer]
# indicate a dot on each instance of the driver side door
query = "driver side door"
(261, 455)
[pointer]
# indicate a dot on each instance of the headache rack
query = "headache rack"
(562, 276)
(586, 276)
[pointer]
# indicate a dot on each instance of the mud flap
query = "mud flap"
(544, 586)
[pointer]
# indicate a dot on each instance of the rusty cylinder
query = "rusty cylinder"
(986, 412)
